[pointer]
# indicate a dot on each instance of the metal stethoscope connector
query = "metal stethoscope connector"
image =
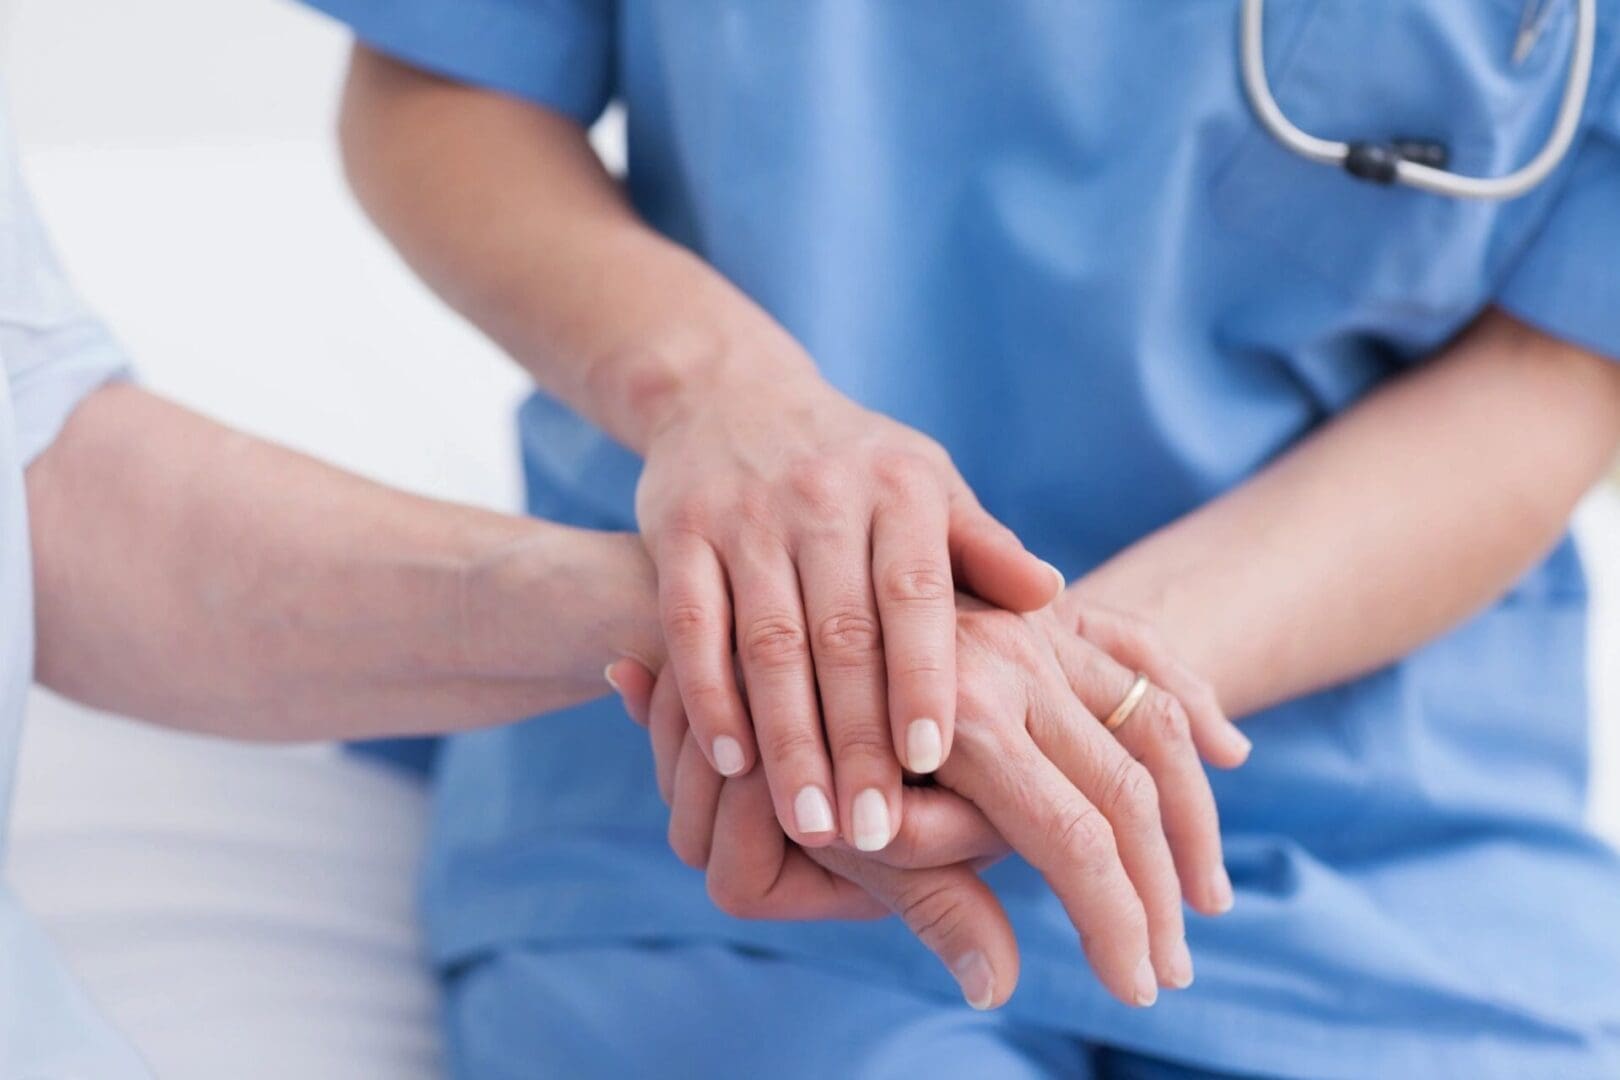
(1421, 164)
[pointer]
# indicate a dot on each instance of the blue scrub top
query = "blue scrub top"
(52, 353)
(1053, 236)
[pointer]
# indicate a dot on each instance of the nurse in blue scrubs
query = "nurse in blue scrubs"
(1055, 239)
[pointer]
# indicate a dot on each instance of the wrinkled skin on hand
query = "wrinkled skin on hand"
(1122, 828)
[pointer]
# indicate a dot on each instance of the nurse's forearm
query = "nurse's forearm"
(503, 207)
(196, 577)
(822, 543)
(1409, 513)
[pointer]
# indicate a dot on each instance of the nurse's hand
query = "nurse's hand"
(823, 544)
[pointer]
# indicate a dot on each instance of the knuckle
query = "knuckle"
(848, 635)
(984, 718)
(751, 516)
(1166, 719)
(930, 907)
(687, 621)
(706, 701)
(977, 702)
(915, 668)
(818, 484)
(1131, 794)
(789, 743)
(900, 471)
(1083, 837)
(689, 516)
(860, 744)
(922, 583)
(772, 641)
(1001, 634)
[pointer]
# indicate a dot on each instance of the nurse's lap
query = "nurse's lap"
(702, 1010)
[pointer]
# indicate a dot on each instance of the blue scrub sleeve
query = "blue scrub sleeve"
(1567, 282)
(558, 53)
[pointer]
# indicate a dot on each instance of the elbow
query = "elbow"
(380, 123)
(361, 131)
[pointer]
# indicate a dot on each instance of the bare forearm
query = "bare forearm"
(1409, 513)
(505, 210)
(197, 577)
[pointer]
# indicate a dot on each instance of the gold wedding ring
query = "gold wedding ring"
(1133, 698)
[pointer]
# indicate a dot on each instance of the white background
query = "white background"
(181, 151)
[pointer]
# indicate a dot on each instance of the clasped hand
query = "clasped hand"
(839, 608)
(1121, 828)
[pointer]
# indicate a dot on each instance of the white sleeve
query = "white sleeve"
(54, 350)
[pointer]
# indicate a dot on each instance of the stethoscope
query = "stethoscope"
(1418, 163)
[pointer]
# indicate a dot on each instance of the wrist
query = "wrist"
(690, 376)
(559, 604)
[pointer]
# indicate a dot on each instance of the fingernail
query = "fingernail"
(924, 747)
(871, 820)
(812, 811)
(977, 981)
(1220, 890)
(607, 673)
(1062, 582)
(1181, 968)
(1242, 742)
(728, 755)
(1147, 983)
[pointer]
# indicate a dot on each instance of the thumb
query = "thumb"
(951, 911)
(989, 561)
(634, 685)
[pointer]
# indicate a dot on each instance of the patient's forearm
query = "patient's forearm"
(1409, 513)
(197, 577)
(503, 207)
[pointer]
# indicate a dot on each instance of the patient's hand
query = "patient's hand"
(1118, 841)
(757, 872)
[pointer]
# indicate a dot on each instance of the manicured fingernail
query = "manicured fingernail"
(924, 747)
(1062, 582)
(1180, 966)
(871, 820)
(728, 755)
(812, 811)
(1147, 983)
(607, 673)
(977, 981)
(1220, 890)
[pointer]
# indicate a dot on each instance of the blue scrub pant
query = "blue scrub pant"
(712, 1011)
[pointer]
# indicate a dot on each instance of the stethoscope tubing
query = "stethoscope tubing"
(1415, 174)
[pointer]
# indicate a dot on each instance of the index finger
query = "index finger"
(696, 614)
